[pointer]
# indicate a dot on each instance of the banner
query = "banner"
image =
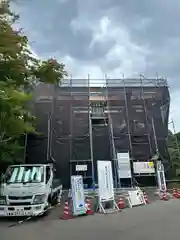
(105, 181)
(124, 167)
(143, 167)
(77, 192)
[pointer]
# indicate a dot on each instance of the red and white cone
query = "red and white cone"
(146, 198)
(121, 204)
(88, 206)
(66, 215)
(164, 196)
(177, 193)
(174, 193)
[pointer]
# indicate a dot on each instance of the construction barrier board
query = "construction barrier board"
(77, 193)
(136, 198)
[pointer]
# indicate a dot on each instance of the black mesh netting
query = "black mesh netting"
(139, 119)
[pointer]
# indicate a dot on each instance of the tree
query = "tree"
(19, 70)
(174, 152)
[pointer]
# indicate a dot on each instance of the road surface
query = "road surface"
(159, 220)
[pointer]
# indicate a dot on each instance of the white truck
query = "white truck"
(29, 190)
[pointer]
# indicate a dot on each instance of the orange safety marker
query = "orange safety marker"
(146, 198)
(121, 204)
(66, 215)
(164, 196)
(88, 204)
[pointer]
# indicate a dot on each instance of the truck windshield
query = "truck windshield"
(24, 174)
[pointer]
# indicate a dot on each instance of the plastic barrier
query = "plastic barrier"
(66, 214)
(164, 196)
(146, 198)
(121, 203)
(136, 198)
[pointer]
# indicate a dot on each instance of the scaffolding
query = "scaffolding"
(92, 120)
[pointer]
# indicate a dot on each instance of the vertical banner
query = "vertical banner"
(77, 192)
(105, 181)
(161, 177)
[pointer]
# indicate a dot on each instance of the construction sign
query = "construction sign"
(161, 177)
(77, 191)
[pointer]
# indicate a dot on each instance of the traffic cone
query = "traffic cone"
(177, 193)
(164, 196)
(146, 198)
(174, 193)
(66, 215)
(121, 204)
(88, 205)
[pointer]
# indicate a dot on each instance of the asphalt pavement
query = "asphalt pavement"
(159, 220)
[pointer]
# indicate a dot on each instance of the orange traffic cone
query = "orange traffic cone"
(66, 215)
(164, 196)
(177, 193)
(88, 204)
(146, 198)
(174, 193)
(121, 204)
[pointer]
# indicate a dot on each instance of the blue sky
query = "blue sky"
(111, 37)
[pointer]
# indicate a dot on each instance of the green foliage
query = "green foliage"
(174, 152)
(18, 72)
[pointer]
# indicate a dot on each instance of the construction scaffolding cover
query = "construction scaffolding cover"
(139, 119)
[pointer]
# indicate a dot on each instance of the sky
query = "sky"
(113, 37)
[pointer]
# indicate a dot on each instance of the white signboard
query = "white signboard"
(77, 192)
(161, 177)
(124, 157)
(124, 167)
(143, 167)
(81, 168)
(105, 181)
(136, 198)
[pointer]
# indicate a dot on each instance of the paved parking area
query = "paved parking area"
(159, 220)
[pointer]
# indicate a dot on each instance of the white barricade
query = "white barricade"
(136, 198)
(77, 193)
(106, 188)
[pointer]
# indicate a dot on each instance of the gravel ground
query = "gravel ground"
(159, 220)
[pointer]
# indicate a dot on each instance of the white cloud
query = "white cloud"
(108, 37)
(129, 57)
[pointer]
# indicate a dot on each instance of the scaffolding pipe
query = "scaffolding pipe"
(127, 118)
(155, 138)
(91, 140)
(71, 129)
(128, 126)
(114, 155)
(48, 143)
(51, 125)
(146, 116)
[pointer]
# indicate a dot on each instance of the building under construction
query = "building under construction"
(83, 121)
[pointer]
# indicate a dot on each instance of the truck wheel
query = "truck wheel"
(58, 195)
(46, 210)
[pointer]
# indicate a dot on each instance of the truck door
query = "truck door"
(48, 177)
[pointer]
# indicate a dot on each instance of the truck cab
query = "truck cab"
(28, 190)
